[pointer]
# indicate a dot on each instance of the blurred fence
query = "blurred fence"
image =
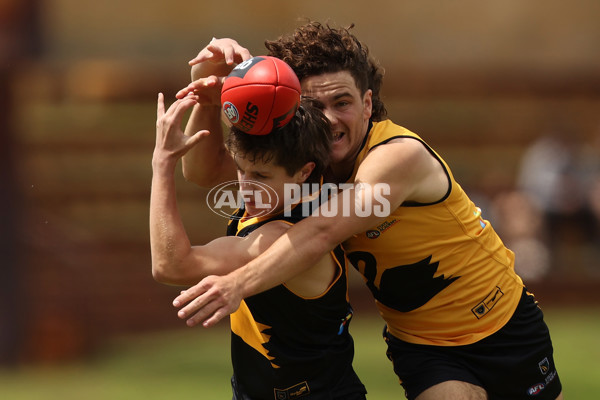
(75, 150)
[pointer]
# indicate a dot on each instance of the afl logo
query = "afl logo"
(226, 197)
(535, 389)
(373, 234)
(231, 112)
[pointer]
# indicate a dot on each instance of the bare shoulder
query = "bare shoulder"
(409, 166)
(403, 148)
(404, 157)
(315, 281)
(310, 283)
(405, 153)
(263, 237)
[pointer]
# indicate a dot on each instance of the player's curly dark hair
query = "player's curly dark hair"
(315, 48)
(307, 137)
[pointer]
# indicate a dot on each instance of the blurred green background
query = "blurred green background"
(490, 85)
(194, 363)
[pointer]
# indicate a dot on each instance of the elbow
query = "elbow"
(160, 274)
(324, 239)
(192, 176)
(181, 272)
(324, 242)
(218, 169)
(167, 274)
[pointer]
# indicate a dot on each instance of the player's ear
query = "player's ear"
(304, 172)
(368, 104)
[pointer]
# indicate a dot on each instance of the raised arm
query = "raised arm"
(209, 163)
(174, 260)
(411, 173)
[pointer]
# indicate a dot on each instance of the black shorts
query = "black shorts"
(514, 363)
(238, 393)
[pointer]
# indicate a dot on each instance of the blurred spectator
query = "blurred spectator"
(520, 223)
(556, 175)
(590, 162)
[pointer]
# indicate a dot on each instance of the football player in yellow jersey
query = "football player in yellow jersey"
(459, 322)
(293, 339)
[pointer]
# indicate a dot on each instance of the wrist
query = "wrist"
(163, 163)
(207, 68)
(210, 107)
(244, 282)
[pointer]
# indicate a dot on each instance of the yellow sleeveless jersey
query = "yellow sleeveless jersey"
(439, 273)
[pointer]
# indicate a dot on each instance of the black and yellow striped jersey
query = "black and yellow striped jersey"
(286, 346)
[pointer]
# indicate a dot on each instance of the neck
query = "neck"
(338, 173)
(341, 171)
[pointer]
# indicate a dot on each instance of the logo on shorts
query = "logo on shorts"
(231, 112)
(536, 389)
(293, 392)
(544, 366)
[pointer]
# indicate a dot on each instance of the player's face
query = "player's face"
(347, 110)
(263, 185)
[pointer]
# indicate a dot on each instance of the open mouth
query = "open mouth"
(337, 136)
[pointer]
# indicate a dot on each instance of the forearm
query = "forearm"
(169, 242)
(293, 253)
(209, 162)
(304, 244)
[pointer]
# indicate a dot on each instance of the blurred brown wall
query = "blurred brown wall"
(479, 80)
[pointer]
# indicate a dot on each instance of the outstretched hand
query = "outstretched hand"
(207, 90)
(224, 50)
(171, 142)
(209, 301)
(210, 68)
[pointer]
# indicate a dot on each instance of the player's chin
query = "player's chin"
(339, 144)
(337, 153)
(250, 208)
(253, 211)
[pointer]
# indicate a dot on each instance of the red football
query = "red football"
(260, 94)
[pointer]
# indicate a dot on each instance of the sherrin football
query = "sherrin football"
(260, 94)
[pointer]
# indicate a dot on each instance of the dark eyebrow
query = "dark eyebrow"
(343, 94)
(313, 101)
(319, 104)
(261, 171)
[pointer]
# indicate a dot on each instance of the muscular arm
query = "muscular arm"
(209, 163)
(174, 259)
(412, 174)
